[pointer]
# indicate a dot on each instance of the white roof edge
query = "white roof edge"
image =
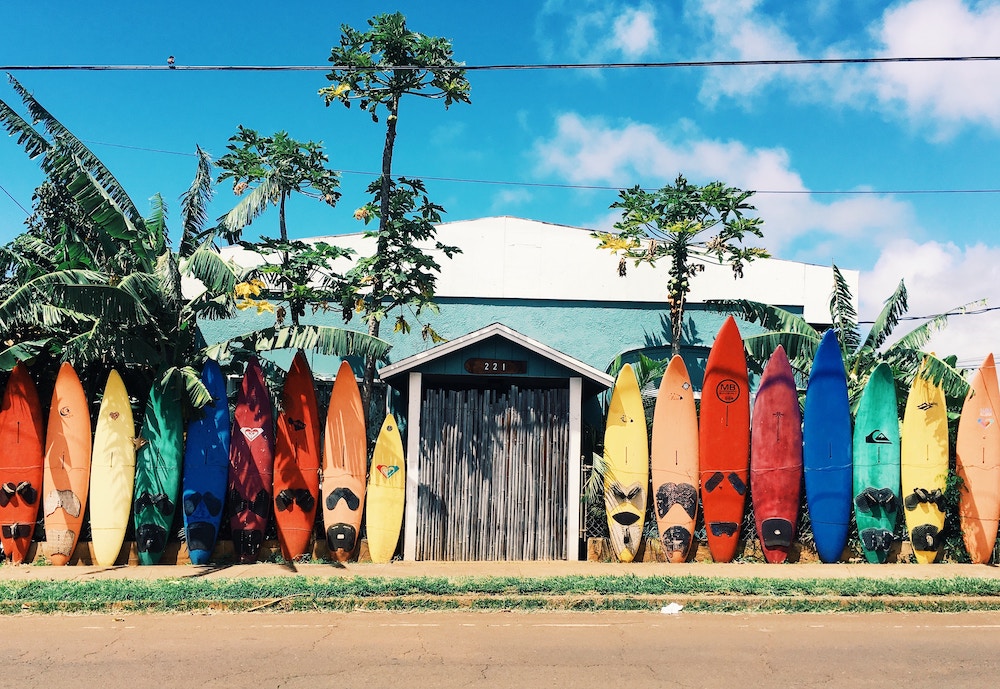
(489, 331)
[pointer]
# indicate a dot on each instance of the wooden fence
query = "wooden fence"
(493, 475)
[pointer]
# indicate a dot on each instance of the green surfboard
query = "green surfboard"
(158, 470)
(876, 465)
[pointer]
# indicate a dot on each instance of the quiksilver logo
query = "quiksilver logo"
(878, 438)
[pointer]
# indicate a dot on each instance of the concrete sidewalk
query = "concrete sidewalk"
(530, 570)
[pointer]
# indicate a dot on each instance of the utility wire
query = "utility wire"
(512, 67)
(11, 197)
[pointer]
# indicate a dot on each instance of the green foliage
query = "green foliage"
(691, 226)
(366, 67)
(401, 274)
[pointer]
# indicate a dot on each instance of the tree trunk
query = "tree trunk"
(368, 384)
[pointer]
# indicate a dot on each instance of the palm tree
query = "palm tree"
(116, 299)
(861, 354)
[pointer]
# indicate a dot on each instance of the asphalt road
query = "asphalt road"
(456, 649)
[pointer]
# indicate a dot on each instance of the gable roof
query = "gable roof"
(496, 329)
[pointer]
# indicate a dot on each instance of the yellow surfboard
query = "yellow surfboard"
(386, 493)
(924, 466)
(626, 466)
(112, 472)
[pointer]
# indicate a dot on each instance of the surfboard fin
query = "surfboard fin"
(776, 533)
(876, 540)
(925, 537)
(670, 494)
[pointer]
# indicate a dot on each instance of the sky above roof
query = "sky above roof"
(834, 151)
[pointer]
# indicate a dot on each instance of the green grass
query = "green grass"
(627, 592)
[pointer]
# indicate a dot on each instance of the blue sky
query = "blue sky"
(884, 128)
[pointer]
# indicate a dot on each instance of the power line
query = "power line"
(797, 62)
(11, 197)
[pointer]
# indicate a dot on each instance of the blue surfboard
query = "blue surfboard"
(206, 468)
(828, 450)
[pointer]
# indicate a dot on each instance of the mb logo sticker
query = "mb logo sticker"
(728, 391)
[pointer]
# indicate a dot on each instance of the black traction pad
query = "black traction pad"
(876, 540)
(260, 505)
(65, 499)
(15, 530)
(342, 493)
(200, 536)
(713, 483)
(284, 499)
(305, 499)
(246, 543)
(737, 483)
(919, 495)
(670, 494)
(150, 538)
(161, 501)
(925, 537)
(677, 539)
(27, 492)
(724, 528)
(341, 537)
(625, 518)
(776, 533)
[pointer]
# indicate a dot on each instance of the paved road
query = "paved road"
(456, 649)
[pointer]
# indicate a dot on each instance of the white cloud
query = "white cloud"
(595, 31)
(947, 93)
(504, 200)
(592, 151)
(939, 277)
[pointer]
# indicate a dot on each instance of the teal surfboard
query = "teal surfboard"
(876, 465)
(158, 470)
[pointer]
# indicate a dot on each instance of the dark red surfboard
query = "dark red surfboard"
(776, 458)
(21, 462)
(724, 442)
(251, 464)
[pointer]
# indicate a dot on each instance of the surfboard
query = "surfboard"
(977, 463)
(206, 468)
(112, 472)
(828, 450)
(345, 466)
(251, 464)
(876, 465)
(21, 437)
(626, 466)
(776, 458)
(386, 493)
(66, 480)
(158, 469)
(296, 460)
(924, 466)
(674, 461)
(724, 441)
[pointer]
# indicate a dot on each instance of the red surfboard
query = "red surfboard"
(724, 442)
(21, 461)
(251, 464)
(776, 458)
(296, 461)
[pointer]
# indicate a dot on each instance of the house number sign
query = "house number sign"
(495, 366)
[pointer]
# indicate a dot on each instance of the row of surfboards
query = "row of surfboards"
(246, 468)
(876, 471)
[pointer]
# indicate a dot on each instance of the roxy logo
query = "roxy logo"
(728, 391)
(251, 434)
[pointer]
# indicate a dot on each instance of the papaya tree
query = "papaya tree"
(690, 226)
(378, 69)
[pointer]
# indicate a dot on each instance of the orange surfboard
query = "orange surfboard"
(674, 461)
(296, 460)
(345, 466)
(21, 436)
(67, 466)
(724, 441)
(977, 462)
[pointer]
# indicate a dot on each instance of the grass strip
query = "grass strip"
(624, 592)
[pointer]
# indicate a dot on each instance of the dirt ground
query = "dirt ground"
(456, 649)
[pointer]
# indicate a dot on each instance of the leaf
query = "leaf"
(321, 339)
